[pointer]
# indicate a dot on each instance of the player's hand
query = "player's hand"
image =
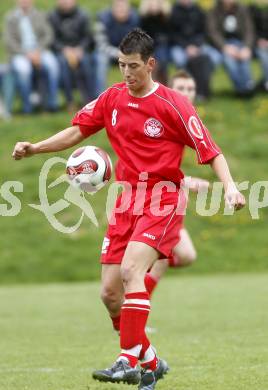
(234, 199)
(23, 149)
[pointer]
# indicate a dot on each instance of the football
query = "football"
(89, 168)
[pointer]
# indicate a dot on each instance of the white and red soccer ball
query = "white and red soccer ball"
(89, 168)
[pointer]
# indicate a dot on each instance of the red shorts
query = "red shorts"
(145, 225)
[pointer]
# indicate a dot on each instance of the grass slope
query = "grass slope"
(224, 243)
(211, 329)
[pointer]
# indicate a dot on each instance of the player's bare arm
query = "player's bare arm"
(233, 197)
(63, 140)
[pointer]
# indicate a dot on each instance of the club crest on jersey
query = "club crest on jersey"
(153, 128)
(195, 127)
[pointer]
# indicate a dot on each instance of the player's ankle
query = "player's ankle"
(132, 360)
(151, 365)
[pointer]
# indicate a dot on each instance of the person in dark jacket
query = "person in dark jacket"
(230, 29)
(188, 48)
(259, 13)
(111, 26)
(73, 45)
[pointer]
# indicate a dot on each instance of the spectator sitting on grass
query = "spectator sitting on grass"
(73, 45)
(27, 36)
(230, 30)
(155, 21)
(188, 48)
(7, 88)
(112, 25)
(260, 19)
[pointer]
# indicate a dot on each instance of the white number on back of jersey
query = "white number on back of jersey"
(114, 117)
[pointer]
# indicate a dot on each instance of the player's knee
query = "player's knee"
(128, 273)
(110, 296)
(189, 257)
(184, 257)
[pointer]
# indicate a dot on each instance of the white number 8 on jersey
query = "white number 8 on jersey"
(114, 115)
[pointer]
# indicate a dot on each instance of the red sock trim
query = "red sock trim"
(133, 360)
(137, 295)
(150, 283)
(116, 322)
(152, 365)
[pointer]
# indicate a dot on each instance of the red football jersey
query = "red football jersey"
(149, 133)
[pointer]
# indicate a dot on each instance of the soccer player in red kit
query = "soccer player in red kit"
(148, 126)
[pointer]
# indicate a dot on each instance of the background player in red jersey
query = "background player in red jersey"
(184, 253)
(148, 126)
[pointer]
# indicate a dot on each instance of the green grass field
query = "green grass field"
(211, 329)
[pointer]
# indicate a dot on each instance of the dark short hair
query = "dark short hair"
(180, 74)
(137, 42)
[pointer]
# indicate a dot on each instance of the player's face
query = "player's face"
(136, 73)
(186, 87)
